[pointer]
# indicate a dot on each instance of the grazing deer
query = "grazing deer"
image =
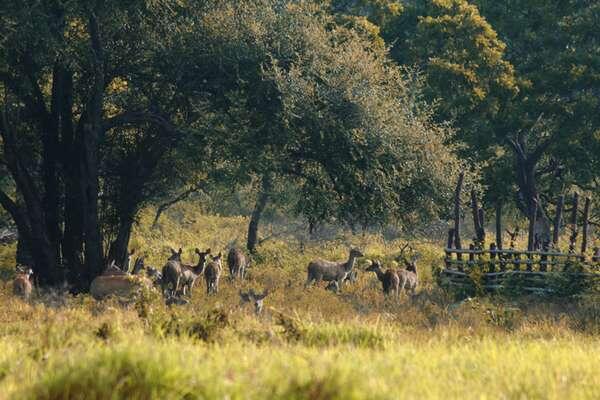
(237, 263)
(254, 298)
(212, 274)
(409, 278)
(389, 279)
(115, 281)
(329, 271)
(189, 274)
(175, 300)
(171, 272)
(22, 286)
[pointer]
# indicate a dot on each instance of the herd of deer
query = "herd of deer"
(177, 279)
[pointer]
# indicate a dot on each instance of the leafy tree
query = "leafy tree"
(78, 79)
(318, 107)
(519, 85)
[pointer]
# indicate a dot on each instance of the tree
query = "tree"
(322, 109)
(518, 84)
(78, 82)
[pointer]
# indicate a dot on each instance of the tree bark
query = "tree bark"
(499, 225)
(586, 221)
(259, 207)
(558, 220)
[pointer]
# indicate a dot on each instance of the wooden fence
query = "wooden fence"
(533, 269)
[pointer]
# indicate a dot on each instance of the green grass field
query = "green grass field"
(308, 343)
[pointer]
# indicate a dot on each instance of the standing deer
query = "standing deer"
(237, 263)
(323, 270)
(171, 272)
(189, 274)
(22, 286)
(389, 279)
(409, 278)
(212, 274)
(256, 299)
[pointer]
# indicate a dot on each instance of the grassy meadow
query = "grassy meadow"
(310, 344)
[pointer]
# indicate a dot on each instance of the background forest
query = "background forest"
(291, 129)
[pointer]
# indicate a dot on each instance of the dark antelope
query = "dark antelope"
(389, 279)
(171, 273)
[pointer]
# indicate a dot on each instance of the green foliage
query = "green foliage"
(323, 111)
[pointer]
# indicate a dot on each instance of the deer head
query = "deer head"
(175, 255)
(408, 258)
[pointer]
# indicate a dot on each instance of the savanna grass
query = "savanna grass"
(307, 344)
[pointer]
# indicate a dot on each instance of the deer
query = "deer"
(409, 278)
(22, 285)
(254, 298)
(323, 270)
(115, 281)
(212, 274)
(389, 279)
(171, 272)
(237, 263)
(189, 274)
(138, 265)
(128, 259)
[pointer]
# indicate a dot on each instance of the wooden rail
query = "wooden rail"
(531, 269)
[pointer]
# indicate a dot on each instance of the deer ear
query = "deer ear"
(207, 251)
(173, 252)
(180, 251)
(131, 252)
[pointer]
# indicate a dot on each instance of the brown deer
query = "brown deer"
(189, 274)
(115, 281)
(212, 274)
(237, 263)
(256, 299)
(409, 278)
(22, 286)
(323, 270)
(171, 273)
(389, 279)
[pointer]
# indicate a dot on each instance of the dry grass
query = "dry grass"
(308, 344)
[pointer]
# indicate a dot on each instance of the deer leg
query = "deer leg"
(339, 285)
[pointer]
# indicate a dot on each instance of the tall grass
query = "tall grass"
(308, 344)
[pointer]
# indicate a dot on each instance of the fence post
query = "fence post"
(492, 257)
(499, 225)
(586, 221)
(558, 220)
(449, 246)
(457, 243)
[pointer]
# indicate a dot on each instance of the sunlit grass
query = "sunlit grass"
(307, 344)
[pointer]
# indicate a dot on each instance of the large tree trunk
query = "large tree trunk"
(259, 207)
